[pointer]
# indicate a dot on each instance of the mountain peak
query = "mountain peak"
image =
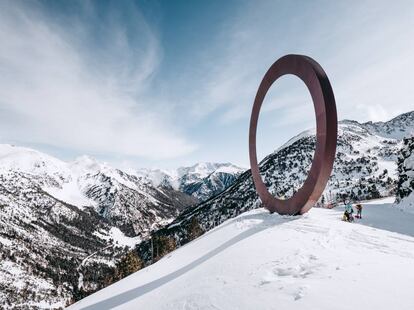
(195, 180)
(86, 164)
(29, 161)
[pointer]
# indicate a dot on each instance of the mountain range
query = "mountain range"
(64, 226)
(202, 180)
(59, 220)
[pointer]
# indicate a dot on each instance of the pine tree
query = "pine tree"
(128, 264)
(194, 230)
(374, 192)
(405, 184)
(162, 245)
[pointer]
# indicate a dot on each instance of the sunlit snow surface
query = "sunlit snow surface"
(119, 237)
(264, 261)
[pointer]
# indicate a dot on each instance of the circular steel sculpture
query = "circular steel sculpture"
(312, 74)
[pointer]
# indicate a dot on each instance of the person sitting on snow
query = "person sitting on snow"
(348, 212)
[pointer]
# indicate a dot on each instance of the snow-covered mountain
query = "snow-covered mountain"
(397, 128)
(82, 214)
(267, 261)
(64, 225)
(77, 210)
(202, 180)
(365, 168)
(130, 203)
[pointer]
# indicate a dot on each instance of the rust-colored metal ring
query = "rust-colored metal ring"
(312, 74)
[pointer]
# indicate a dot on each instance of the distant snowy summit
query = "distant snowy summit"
(398, 128)
(202, 180)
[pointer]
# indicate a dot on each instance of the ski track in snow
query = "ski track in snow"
(266, 261)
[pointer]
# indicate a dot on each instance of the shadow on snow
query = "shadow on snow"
(268, 221)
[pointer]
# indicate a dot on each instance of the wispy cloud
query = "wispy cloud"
(365, 47)
(66, 84)
(99, 80)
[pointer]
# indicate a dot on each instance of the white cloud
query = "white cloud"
(66, 84)
(82, 89)
(365, 48)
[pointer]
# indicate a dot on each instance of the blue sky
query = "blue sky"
(170, 83)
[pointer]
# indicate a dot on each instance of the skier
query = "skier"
(359, 211)
(348, 212)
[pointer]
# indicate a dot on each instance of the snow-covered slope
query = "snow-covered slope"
(266, 261)
(202, 180)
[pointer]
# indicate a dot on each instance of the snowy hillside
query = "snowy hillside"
(61, 222)
(266, 261)
(202, 180)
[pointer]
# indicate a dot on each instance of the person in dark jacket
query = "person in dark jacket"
(359, 211)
